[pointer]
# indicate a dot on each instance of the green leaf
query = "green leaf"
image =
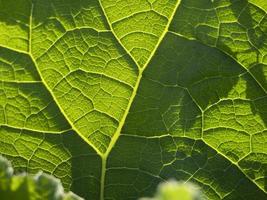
(173, 190)
(26, 187)
(113, 97)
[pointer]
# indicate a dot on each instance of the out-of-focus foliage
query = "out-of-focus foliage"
(26, 187)
(173, 190)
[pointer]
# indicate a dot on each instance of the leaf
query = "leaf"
(24, 187)
(173, 190)
(113, 97)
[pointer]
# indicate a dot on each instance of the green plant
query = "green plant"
(113, 97)
(27, 187)
(173, 190)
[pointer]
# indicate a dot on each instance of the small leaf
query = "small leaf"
(26, 187)
(173, 190)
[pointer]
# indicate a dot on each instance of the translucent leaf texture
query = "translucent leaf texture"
(113, 97)
(27, 187)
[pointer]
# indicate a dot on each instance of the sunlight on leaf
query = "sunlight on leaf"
(114, 96)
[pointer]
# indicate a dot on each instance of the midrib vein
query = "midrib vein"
(141, 70)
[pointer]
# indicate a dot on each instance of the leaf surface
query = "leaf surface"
(113, 97)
